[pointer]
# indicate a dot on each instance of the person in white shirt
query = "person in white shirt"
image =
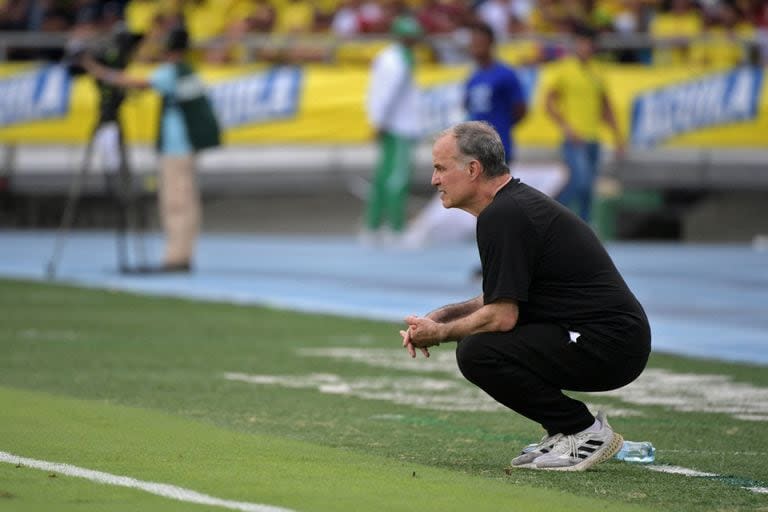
(347, 20)
(393, 111)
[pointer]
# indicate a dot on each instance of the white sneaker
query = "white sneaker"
(533, 451)
(581, 451)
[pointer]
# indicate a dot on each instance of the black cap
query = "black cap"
(178, 40)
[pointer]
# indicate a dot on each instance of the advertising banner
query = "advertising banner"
(32, 95)
(684, 107)
(325, 105)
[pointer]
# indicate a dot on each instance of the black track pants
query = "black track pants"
(527, 368)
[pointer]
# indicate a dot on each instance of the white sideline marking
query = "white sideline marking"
(679, 470)
(164, 490)
(707, 452)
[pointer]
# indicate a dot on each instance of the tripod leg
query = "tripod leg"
(132, 218)
(122, 194)
(73, 196)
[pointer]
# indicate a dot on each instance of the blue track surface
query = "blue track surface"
(705, 301)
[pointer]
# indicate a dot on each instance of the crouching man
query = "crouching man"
(554, 315)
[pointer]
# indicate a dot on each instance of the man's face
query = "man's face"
(583, 47)
(450, 173)
(479, 46)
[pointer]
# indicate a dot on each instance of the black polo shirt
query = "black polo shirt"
(537, 252)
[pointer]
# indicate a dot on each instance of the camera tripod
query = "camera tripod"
(120, 188)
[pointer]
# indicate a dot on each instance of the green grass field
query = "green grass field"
(317, 413)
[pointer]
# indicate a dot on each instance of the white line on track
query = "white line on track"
(165, 490)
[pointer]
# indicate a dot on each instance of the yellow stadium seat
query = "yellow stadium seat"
(295, 17)
(239, 10)
(139, 15)
(205, 21)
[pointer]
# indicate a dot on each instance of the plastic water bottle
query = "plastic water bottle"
(637, 451)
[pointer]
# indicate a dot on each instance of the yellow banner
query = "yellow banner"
(326, 105)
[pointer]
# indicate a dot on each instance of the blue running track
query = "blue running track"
(703, 300)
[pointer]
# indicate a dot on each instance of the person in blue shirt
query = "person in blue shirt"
(493, 92)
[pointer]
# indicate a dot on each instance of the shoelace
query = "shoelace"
(544, 442)
(548, 440)
(573, 446)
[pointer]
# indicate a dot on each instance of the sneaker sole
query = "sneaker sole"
(513, 467)
(602, 455)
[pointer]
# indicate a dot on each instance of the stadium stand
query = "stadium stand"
(677, 38)
(675, 32)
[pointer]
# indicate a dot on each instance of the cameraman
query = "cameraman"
(187, 125)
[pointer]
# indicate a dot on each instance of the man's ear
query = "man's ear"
(475, 169)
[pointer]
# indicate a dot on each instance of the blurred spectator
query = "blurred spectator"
(520, 15)
(547, 17)
(252, 16)
(324, 14)
(223, 24)
(295, 17)
(629, 19)
(578, 11)
(14, 14)
(374, 17)
(86, 24)
(49, 16)
(393, 111)
(599, 14)
(677, 25)
(443, 16)
(245, 17)
(759, 17)
(112, 13)
(577, 101)
(722, 45)
(348, 19)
